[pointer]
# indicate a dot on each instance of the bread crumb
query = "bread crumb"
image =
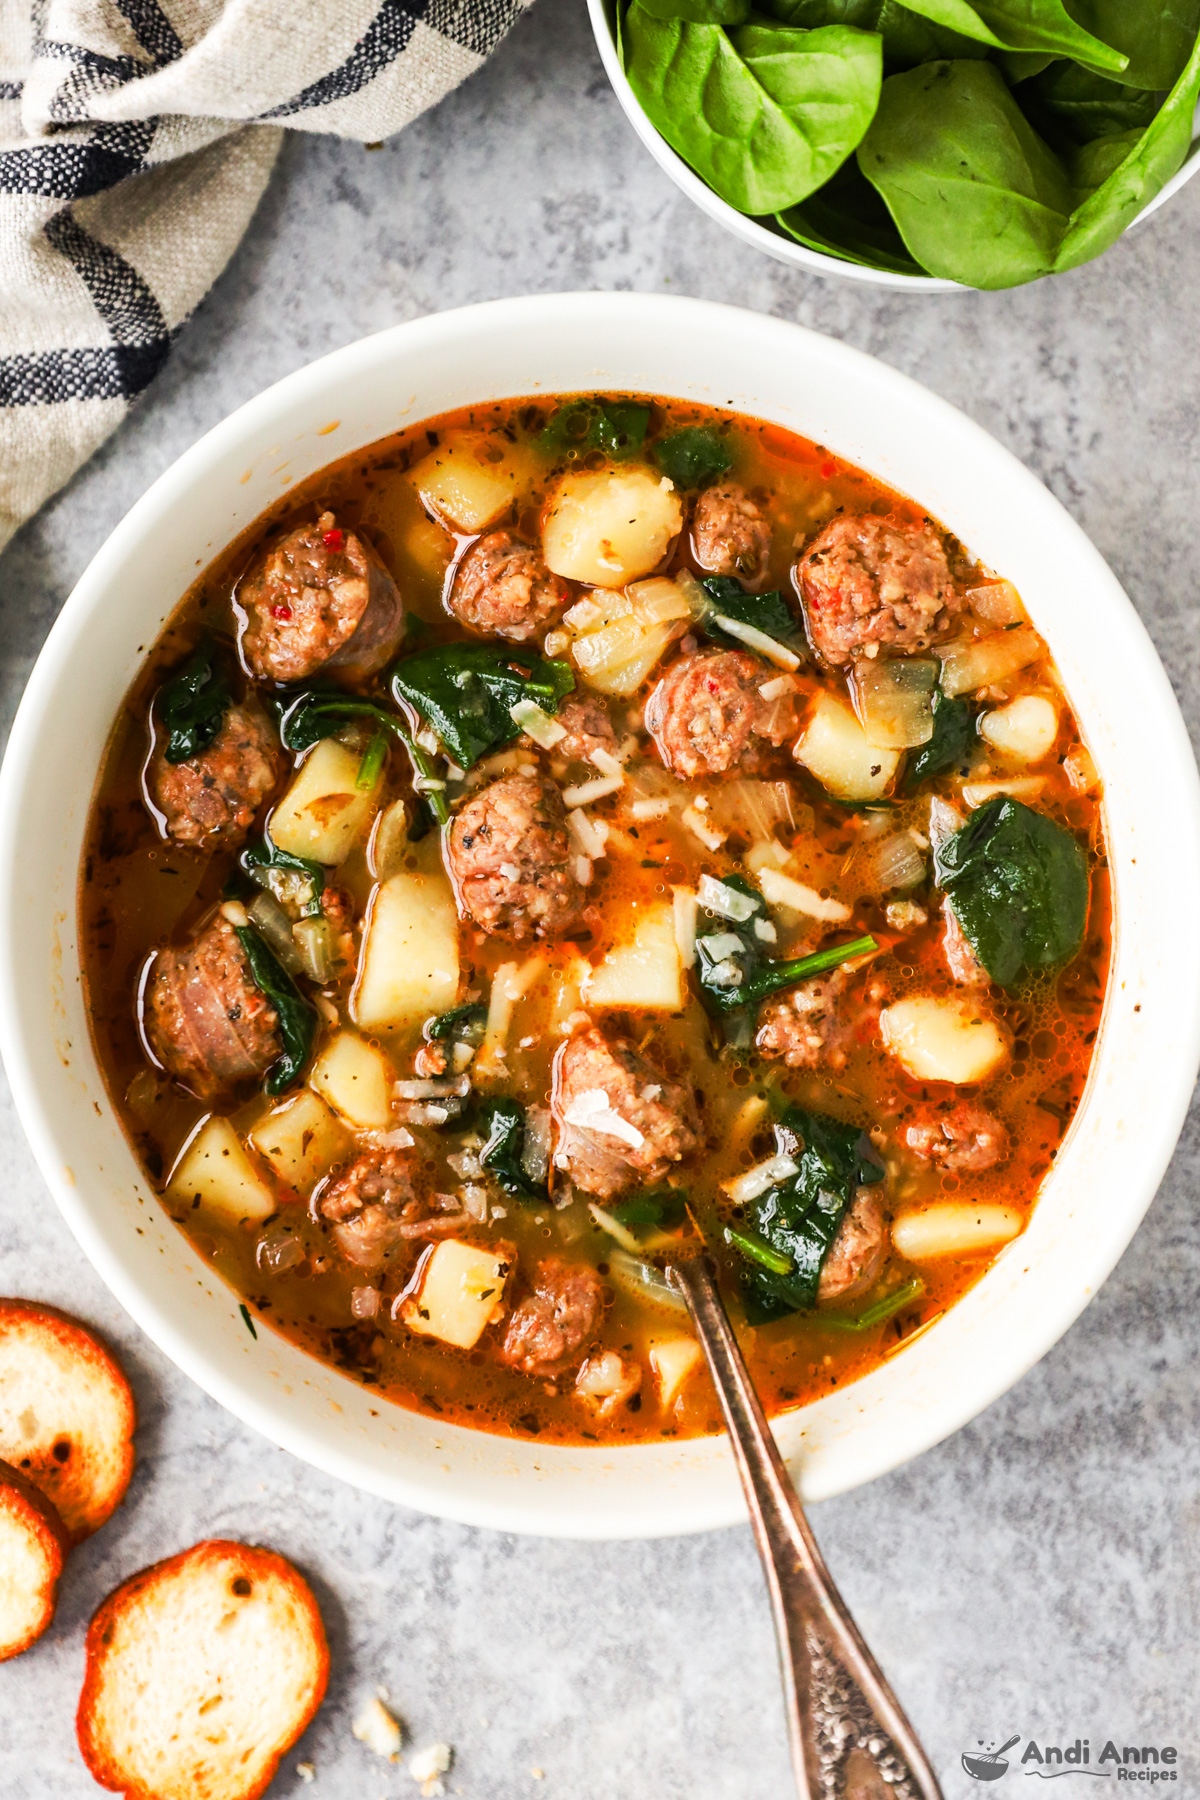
(306, 1772)
(378, 1730)
(428, 1766)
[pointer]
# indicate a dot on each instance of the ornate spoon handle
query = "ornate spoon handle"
(848, 1736)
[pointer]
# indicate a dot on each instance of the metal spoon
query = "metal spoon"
(847, 1733)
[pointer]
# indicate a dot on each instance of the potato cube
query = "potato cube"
(609, 526)
(644, 971)
(941, 1038)
(215, 1170)
(461, 1291)
(323, 814)
(408, 966)
(954, 1228)
(470, 481)
(356, 1080)
(1025, 729)
(673, 1359)
(977, 662)
(301, 1140)
(833, 746)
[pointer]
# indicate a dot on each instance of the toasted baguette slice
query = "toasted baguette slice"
(202, 1671)
(33, 1544)
(66, 1413)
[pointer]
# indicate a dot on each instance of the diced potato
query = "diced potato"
(1025, 729)
(834, 748)
(430, 547)
(953, 1228)
(997, 603)
(471, 480)
(215, 1170)
(356, 1080)
(976, 663)
(610, 526)
(301, 1140)
(644, 971)
(673, 1359)
(461, 1291)
(1017, 787)
(408, 965)
(323, 814)
(622, 636)
(940, 1038)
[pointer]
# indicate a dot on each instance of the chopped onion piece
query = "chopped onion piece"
(583, 614)
(759, 1179)
(944, 821)
(614, 1228)
(894, 862)
(894, 701)
(535, 1151)
(1021, 787)
(700, 828)
(685, 905)
(400, 1139)
(364, 1302)
(587, 791)
(644, 1280)
(273, 924)
(779, 654)
(979, 662)
(592, 1111)
(781, 890)
(541, 726)
(726, 902)
(557, 643)
(432, 1090)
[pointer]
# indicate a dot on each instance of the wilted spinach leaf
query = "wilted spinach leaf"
(659, 1209)
(800, 1217)
(309, 716)
(617, 428)
(297, 1017)
(692, 455)
(192, 705)
(467, 692)
(953, 735)
(462, 1024)
(1019, 884)
(503, 1122)
(768, 613)
(732, 968)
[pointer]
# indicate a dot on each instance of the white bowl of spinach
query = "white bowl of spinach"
(981, 143)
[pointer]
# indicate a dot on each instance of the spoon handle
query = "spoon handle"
(847, 1733)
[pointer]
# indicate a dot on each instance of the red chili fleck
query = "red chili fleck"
(332, 539)
(281, 611)
(828, 469)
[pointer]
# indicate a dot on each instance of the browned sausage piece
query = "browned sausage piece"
(621, 1122)
(502, 588)
(588, 728)
(212, 800)
(961, 959)
(375, 1205)
(964, 1139)
(551, 1328)
(801, 1025)
(730, 534)
(511, 862)
(321, 599)
(867, 581)
(206, 1021)
(708, 714)
(856, 1254)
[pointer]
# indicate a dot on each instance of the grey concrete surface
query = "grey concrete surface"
(1038, 1573)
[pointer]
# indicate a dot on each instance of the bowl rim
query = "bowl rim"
(772, 243)
(586, 315)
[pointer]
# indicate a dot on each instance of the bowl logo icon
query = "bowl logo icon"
(988, 1765)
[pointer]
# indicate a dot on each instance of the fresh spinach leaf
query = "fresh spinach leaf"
(268, 855)
(764, 114)
(701, 12)
(798, 1220)
(1156, 35)
(1017, 66)
(616, 428)
(462, 1024)
(846, 218)
(768, 613)
(313, 714)
(907, 38)
(297, 1016)
(977, 195)
(503, 1122)
(692, 455)
(732, 967)
(1101, 217)
(1022, 25)
(1019, 886)
(192, 705)
(953, 736)
(467, 692)
(1081, 106)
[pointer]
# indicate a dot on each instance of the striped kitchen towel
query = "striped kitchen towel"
(136, 137)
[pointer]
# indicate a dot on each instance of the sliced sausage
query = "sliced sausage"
(213, 799)
(511, 862)
(206, 1021)
(731, 534)
(708, 714)
(620, 1121)
(961, 959)
(588, 728)
(551, 1328)
(502, 588)
(321, 599)
(856, 1255)
(801, 1025)
(374, 1206)
(867, 581)
(963, 1139)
